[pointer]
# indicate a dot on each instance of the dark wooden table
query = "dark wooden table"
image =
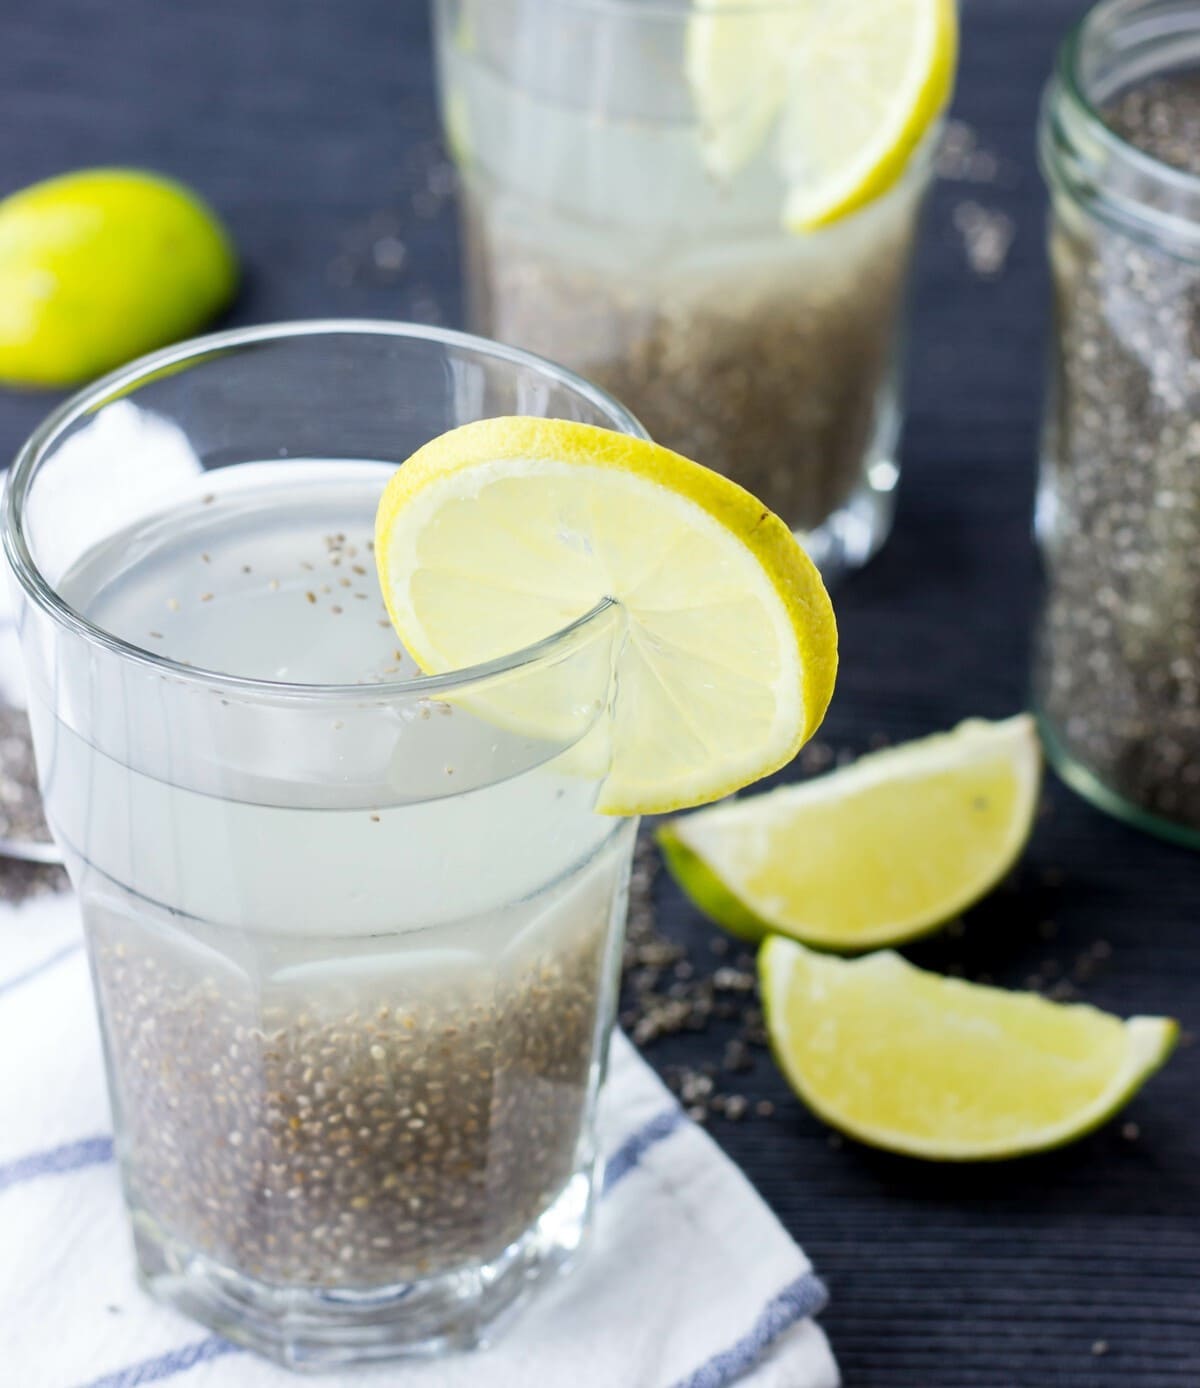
(311, 127)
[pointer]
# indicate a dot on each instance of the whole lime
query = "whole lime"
(101, 265)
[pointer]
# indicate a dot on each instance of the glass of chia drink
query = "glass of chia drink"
(605, 226)
(354, 932)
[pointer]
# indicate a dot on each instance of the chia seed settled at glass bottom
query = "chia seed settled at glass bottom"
(1118, 669)
(775, 369)
(357, 1135)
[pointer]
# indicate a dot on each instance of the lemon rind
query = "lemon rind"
(788, 573)
(881, 175)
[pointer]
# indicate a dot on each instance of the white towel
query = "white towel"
(690, 1281)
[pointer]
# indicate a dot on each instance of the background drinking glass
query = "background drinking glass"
(354, 933)
(1117, 673)
(596, 233)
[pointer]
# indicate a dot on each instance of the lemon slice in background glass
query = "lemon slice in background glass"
(99, 266)
(505, 531)
(877, 853)
(735, 60)
(934, 1067)
(851, 85)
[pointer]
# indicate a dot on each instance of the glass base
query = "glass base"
(310, 1329)
(855, 532)
(1087, 784)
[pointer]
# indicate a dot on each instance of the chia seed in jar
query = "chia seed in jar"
(1117, 671)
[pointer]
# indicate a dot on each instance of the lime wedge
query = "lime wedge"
(877, 853)
(934, 1067)
(502, 532)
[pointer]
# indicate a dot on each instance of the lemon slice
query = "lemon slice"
(735, 63)
(502, 532)
(852, 85)
(877, 853)
(938, 1068)
(862, 89)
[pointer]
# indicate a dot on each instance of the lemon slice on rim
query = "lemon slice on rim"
(852, 85)
(934, 1067)
(503, 532)
(876, 853)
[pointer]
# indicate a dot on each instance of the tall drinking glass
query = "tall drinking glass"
(607, 226)
(354, 931)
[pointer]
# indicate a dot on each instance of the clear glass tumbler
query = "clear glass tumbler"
(598, 231)
(354, 931)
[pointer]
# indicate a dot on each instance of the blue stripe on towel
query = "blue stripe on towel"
(627, 1156)
(630, 1153)
(175, 1361)
(73, 1156)
(8, 984)
(800, 1299)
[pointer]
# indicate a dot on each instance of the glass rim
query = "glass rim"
(123, 381)
(1061, 145)
(1069, 62)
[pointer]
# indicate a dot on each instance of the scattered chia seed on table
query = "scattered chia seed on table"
(1118, 670)
(20, 880)
(21, 816)
(987, 237)
(666, 993)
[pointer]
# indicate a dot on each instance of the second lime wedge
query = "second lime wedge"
(934, 1067)
(874, 854)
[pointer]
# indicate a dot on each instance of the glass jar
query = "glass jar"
(355, 943)
(598, 233)
(1117, 662)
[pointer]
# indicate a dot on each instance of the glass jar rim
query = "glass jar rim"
(1077, 146)
(117, 384)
